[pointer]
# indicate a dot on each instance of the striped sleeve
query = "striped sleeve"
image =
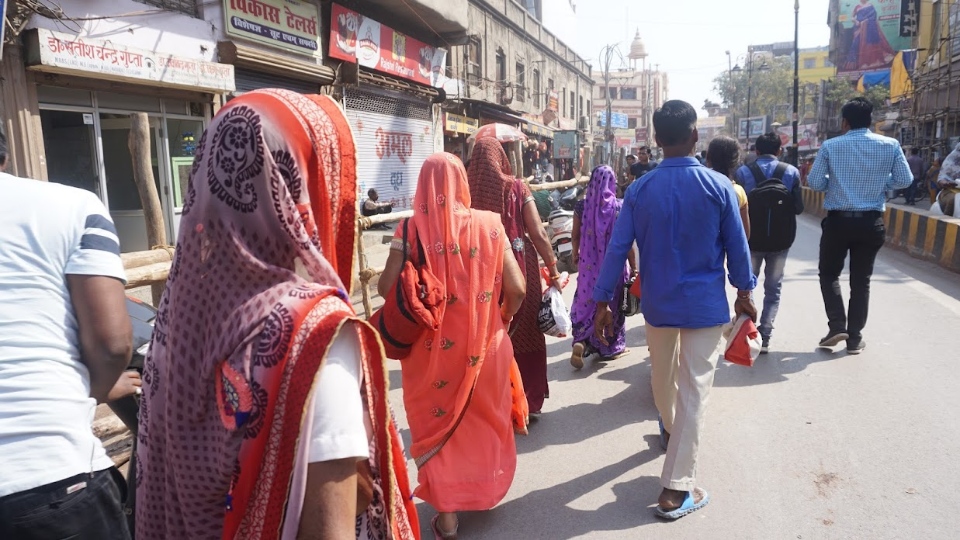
(97, 251)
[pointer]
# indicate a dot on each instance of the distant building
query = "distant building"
(635, 93)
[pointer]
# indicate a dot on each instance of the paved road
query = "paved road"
(804, 445)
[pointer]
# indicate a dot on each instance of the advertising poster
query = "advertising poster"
(362, 40)
(291, 25)
(869, 36)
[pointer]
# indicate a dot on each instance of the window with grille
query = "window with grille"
(573, 105)
(189, 7)
(628, 93)
(809, 63)
(521, 82)
(536, 88)
(474, 61)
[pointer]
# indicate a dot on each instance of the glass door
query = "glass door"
(122, 194)
(183, 137)
(70, 142)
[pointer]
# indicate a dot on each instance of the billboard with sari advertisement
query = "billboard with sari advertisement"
(870, 35)
(362, 40)
(806, 136)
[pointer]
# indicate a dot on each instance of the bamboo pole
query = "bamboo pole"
(136, 259)
(565, 184)
(139, 145)
(151, 274)
(367, 222)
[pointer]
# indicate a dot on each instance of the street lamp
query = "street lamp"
(749, 60)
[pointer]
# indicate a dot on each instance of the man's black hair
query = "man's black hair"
(768, 144)
(915, 151)
(674, 122)
(858, 112)
(4, 151)
(371, 192)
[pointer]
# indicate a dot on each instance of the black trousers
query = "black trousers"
(862, 234)
(83, 507)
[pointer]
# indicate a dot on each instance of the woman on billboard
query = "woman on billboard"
(869, 47)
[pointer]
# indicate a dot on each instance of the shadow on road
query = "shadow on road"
(771, 368)
(549, 509)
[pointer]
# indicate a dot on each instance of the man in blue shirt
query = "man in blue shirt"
(855, 170)
(768, 152)
(685, 221)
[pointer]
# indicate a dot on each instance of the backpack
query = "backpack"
(773, 219)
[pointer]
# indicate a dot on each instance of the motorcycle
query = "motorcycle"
(142, 318)
(560, 229)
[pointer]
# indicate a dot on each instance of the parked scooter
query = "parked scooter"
(142, 317)
(560, 229)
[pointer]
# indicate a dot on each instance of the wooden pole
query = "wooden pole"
(139, 145)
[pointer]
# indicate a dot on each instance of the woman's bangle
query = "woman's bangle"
(555, 277)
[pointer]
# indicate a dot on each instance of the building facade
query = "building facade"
(513, 70)
(71, 81)
(635, 93)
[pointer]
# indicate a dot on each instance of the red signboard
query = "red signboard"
(359, 39)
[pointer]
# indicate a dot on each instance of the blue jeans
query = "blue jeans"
(774, 262)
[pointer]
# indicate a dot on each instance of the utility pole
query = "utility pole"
(796, 78)
(606, 59)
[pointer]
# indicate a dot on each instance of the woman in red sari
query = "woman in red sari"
(457, 379)
(493, 188)
(264, 412)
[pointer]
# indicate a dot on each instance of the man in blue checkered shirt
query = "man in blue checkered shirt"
(855, 170)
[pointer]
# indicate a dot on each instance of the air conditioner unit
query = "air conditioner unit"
(584, 123)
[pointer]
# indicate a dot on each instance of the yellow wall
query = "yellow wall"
(822, 68)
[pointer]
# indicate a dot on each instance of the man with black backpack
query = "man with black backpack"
(775, 199)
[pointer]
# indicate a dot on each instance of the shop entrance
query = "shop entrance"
(85, 135)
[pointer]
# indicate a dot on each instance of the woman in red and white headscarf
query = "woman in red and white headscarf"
(264, 412)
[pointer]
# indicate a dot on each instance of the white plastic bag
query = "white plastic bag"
(554, 317)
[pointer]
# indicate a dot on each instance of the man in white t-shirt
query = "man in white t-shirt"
(65, 338)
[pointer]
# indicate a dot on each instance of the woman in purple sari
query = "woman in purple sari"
(593, 222)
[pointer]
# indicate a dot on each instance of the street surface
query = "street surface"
(806, 444)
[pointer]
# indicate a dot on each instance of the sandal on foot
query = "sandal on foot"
(576, 359)
(440, 535)
(688, 507)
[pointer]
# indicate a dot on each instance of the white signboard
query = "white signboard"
(60, 52)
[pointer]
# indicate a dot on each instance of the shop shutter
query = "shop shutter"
(247, 80)
(394, 136)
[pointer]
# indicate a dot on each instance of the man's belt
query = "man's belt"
(855, 213)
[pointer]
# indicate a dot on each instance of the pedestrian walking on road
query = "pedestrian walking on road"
(457, 379)
(65, 339)
(776, 199)
(264, 411)
(494, 189)
(593, 221)
(685, 221)
(723, 156)
(855, 170)
(916, 169)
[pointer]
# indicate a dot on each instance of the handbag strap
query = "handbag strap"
(421, 259)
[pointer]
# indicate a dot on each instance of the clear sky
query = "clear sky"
(687, 38)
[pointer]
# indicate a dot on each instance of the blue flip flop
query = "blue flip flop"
(688, 507)
(663, 433)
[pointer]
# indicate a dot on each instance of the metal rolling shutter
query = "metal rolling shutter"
(247, 80)
(394, 137)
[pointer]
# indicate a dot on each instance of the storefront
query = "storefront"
(86, 91)
(392, 109)
(291, 29)
(456, 131)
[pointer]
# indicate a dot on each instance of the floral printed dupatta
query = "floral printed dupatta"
(255, 297)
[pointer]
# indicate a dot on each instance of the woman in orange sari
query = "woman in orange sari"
(457, 380)
(264, 413)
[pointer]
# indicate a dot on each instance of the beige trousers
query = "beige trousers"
(684, 361)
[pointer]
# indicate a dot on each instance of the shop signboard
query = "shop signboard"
(757, 127)
(456, 123)
(618, 120)
(291, 25)
(362, 40)
(56, 52)
(870, 35)
(566, 145)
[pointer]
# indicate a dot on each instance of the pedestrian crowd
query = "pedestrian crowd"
(264, 410)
